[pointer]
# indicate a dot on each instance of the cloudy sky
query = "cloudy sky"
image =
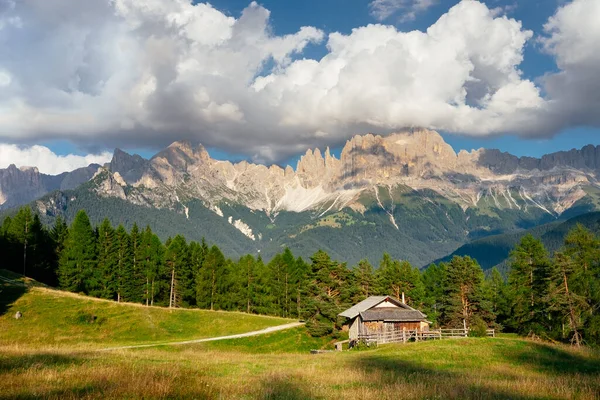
(267, 80)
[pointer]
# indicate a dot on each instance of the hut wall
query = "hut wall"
(354, 330)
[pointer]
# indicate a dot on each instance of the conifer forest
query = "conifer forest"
(550, 296)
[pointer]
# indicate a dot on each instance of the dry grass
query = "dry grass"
(462, 369)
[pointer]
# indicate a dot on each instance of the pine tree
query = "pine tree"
(247, 269)
(289, 263)
(19, 232)
(277, 271)
(177, 262)
(107, 261)
(208, 277)
(123, 266)
(78, 259)
(325, 294)
(136, 276)
(497, 292)
(300, 276)
(400, 279)
(262, 297)
(364, 280)
(59, 235)
(42, 259)
(153, 265)
(463, 296)
(433, 282)
(583, 249)
(527, 278)
(563, 300)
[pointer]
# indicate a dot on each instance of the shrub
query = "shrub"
(478, 327)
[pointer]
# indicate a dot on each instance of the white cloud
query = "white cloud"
(45, 160)
(383, 9)
(118, 72)
(573, 38)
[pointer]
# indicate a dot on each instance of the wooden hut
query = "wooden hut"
(383, 315)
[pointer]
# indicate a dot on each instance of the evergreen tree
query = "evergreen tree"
(463, 297)
(19, 233)
(59, 235)
(364, 281)
(107, 261)
(527, 278)
(136, 277)
(207, 281)
(399, 279)
(284, 276)
(178, 263)
(583, 249)
(153, 266)
(326, 294)
(123, 266)
(433, 282)
(497, 292)
(248, 283)
(79, 259)
(564, 302)
(288, 282)
(300, 276)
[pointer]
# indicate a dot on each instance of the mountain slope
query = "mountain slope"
(408, 194)
(20, 186)
(495, 250)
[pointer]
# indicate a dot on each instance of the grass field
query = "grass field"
(38, 360)
(57, 319)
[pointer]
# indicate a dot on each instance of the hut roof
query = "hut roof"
(371, 302)
(392, 314)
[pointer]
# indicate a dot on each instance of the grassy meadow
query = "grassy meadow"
(55, 319)
(52, 352)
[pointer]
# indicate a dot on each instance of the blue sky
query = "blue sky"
(260, 135)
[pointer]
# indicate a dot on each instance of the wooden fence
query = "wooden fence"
(417, 335)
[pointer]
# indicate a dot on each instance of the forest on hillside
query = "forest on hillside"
(554, 297)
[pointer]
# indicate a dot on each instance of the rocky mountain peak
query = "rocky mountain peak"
(130, 167)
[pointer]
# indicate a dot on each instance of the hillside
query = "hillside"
(57, 319)
(495, 250)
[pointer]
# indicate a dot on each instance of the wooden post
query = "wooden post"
(404, 335)
(171, 296)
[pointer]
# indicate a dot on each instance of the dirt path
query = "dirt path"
(212, 339)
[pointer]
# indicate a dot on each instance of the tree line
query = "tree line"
(550, 297)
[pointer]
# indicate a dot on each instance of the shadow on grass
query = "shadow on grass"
(8, 295)
(14, 363)
(283, 388)
(555, 360)
(418, 381)
(78, 392)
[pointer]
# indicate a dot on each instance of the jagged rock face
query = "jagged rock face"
(419, 159)
(23, 185)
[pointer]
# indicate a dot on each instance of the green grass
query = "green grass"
(50, 353)
(451, 369)
(58, 319)
(295, 340)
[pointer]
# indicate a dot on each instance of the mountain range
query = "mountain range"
(408, 193)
